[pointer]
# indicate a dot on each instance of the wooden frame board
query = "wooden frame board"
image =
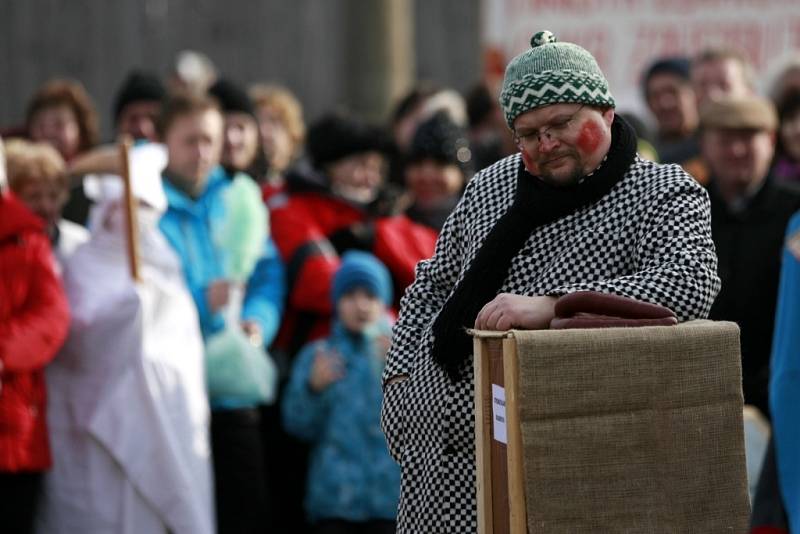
(500, 478)
(483, 436)
(515, 463)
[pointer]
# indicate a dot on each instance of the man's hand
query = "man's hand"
(328, 367)
(383, 344)
(217, 294)
(100, 160)
(253, 332)
(508, 311)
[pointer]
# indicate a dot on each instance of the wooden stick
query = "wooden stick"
(130, 205)
(501, 515)
(516, 465)
(483, 436)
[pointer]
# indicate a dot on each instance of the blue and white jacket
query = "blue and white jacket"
(351, 474)
(190, 226)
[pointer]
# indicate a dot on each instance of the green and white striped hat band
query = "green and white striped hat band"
(552, 73)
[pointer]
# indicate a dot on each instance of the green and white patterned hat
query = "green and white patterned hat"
(552, 73)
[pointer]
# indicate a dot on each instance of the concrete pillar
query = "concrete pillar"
(380, 63)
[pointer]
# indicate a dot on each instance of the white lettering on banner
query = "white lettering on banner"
(499, 413)
(625, 36)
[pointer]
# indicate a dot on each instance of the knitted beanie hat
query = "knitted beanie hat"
(362, 270)
(442, 140)
(552, 73)
(139, 86)
(232, 98)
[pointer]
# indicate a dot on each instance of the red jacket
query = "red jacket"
(302, 225)
(34, 319)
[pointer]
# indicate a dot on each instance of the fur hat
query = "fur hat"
(552, 73)
(442, 140)
(338, 136)
(139, 86)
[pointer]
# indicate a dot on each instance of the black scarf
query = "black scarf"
(535, 204)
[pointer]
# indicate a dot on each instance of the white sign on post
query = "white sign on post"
(499, 413)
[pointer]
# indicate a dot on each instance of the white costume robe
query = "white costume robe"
(128, 412)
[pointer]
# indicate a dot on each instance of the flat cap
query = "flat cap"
(750, 112)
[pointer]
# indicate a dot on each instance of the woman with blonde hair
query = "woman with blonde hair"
(33, 324)
(38, 176)
(282, 130)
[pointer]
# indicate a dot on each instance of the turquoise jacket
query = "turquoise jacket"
(190, 226)
(785, 376)
(351, 475)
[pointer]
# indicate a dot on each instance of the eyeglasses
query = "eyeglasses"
(531, 140)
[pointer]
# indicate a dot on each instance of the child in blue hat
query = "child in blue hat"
(333, 400)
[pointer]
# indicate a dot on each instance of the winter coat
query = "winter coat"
(351, 475)
(649, 238)
(785, 384)
(34, 318)
(311, 228)
(190, 226)
(749, 244)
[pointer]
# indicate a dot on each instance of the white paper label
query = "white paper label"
(499, 413)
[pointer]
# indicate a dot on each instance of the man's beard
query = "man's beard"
(573, 177)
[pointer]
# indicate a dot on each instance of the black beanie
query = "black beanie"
(678, 66)
(232, 98)
(442, 140)
(480, 104)
(139, 86)
(338, 136)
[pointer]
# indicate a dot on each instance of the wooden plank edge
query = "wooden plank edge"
(516, 466)
(489, 334)
(483, 435)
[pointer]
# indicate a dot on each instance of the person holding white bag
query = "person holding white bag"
(218, 227)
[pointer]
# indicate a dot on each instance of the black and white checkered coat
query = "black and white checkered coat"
(649, 238)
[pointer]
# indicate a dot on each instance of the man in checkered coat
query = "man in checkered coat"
(575, 210)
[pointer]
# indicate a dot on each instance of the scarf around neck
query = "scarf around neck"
(535, 204)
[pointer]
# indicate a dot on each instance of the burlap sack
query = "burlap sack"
(633, 429)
